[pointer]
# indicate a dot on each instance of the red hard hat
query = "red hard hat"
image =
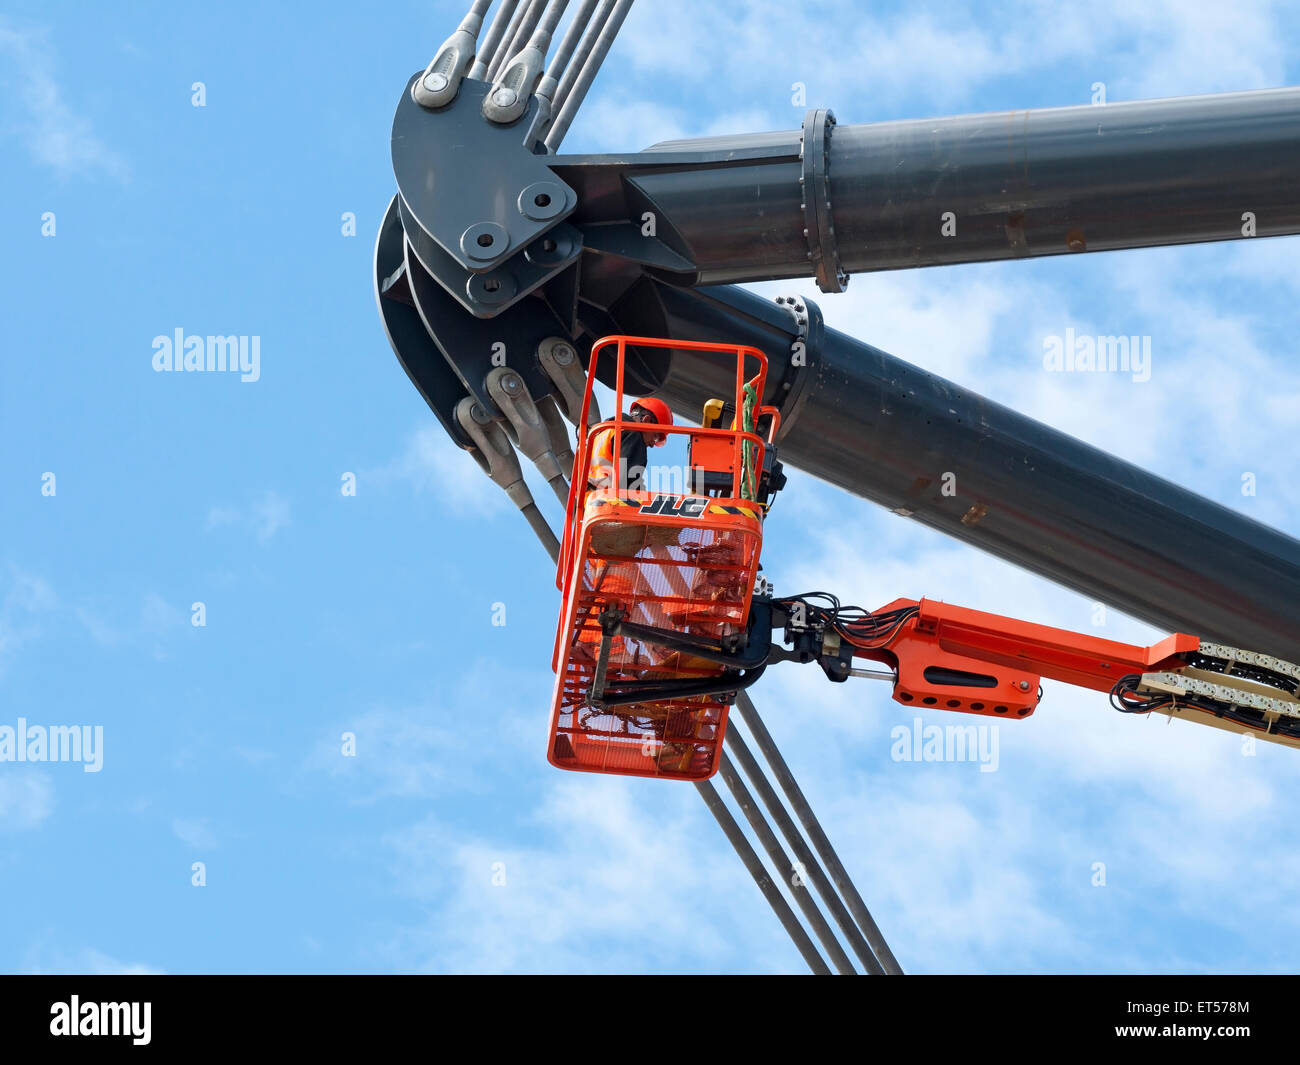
(658, 409)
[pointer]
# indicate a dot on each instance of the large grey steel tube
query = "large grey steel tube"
(975, 188)
(889, 432)
(1046, 501)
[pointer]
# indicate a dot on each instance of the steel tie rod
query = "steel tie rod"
(590, 31)
(498, 56)
(495, 32)
(814, 829)
(514, 41)
(808, 904)
(567, 104)
(560, 61)
(802, 852)
(755, 866)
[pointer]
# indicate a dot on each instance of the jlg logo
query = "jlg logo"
(689, 507)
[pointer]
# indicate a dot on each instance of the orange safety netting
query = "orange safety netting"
(694, 579)
(682, 564)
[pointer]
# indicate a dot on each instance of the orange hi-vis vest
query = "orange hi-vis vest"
(632, 457)
(600, 471)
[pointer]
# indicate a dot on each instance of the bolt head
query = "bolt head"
(504, 97)
(563, 354)
(435, 82)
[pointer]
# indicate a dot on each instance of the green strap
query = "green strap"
(748, 482)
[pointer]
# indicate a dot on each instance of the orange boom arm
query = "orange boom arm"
(953, 658)
(961, 659)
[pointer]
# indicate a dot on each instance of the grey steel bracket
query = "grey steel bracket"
(559, 361)
(513, 86)
(624, 240)
(819, 225)
(472, 186)
(792, 392)
(615, 192)
(441, 79)
(423, 362)
(498, 457)
(558, 432)
(507, 388)
(474, 347)
(487, 294)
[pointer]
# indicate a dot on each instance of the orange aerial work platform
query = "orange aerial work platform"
(661, 624)
(657, 586)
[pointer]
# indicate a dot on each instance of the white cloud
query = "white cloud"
(55, 133)
(1270, 262)
(270, 514)
(25, 599)
(622, 876)
(88, 962)
(600, 875)
(930, 58)
(159, 615)
(101, 631)
(220, 516)
(194, 832)
(97, 964)
(109, 625)
(26, 798)
(397, 753)
(431, 462)
(446, 746)
(622, 122)
(264, 517)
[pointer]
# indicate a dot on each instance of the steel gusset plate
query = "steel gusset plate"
(482, 211)
(420, 357)
(473, 347)
(487, 294)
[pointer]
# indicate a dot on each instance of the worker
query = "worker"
(632, 447)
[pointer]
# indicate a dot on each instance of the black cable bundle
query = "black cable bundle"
(1125, 698)
(860, 627)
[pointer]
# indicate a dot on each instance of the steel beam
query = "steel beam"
(970, 188)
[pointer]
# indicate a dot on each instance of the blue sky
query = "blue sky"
(372, 614)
